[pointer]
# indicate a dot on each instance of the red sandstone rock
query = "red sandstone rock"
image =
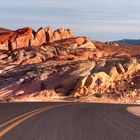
(24, 32)
(63, 33)
(3, 46)
(19, 38)
(80, 40)
(35, 60)
(27, 37)
(5, 36)
(49, 34)
(56, 36)
(40, 37)
(71, 33)
(23, 38)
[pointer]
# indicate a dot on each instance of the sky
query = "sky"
(103, 20)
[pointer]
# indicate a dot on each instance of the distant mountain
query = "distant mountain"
(128, 41)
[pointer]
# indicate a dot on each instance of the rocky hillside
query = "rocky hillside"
(50, 64)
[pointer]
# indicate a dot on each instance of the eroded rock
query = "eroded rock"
(28, 37)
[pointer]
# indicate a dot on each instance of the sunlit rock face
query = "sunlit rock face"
(49, 63)
(25, 37)
(39, 37)
(17, 39)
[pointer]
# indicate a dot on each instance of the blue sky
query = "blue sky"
(99, 19)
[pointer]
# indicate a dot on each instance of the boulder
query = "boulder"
(69, 79)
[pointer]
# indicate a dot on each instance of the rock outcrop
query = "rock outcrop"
(58, 34)
(21, 38)
(53, 63)
(49, 34)
(16, 39)
(39, 38)
(104, 76)
(65, 49)
(79, 78)
(28, 37)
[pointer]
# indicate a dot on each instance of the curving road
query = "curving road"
(67, 121)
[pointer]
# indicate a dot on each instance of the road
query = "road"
(67, 121)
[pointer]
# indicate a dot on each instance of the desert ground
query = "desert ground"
(54, 65)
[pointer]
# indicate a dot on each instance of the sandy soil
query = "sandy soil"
(134, 110)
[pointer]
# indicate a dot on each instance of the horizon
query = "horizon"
(99, 20)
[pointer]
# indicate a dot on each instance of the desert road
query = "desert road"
(67, 121)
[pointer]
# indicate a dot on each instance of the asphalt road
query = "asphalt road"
(67, 121)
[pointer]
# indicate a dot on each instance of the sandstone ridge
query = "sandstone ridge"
(28, 37)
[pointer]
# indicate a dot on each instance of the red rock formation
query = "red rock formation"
(21, 33)
(49, 34)
(4, 36)
(63, 33)
(27, 37)
(71, 33)
(19, 38)
(40, 37)
(58, 34)
(80, 40)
